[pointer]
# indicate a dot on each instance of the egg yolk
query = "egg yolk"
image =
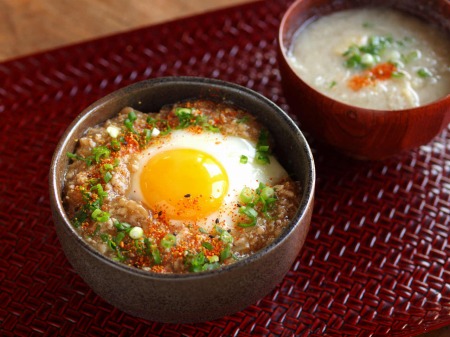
(185, 184)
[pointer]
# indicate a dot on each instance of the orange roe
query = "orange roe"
(382, 71)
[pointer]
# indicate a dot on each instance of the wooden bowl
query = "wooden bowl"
(360, 132)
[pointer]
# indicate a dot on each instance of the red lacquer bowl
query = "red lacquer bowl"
(360, 132)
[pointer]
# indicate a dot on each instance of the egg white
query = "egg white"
(228, 151)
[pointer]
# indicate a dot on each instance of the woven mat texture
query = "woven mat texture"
(376, 261)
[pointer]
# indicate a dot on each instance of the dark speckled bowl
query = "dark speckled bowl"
(187, 297)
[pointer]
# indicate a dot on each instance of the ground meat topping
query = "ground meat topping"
(97, 186)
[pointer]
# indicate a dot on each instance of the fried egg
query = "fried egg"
(194, 177)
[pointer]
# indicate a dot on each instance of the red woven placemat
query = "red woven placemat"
(377, 258)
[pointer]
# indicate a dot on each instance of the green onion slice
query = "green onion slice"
(225, 253)
(226, 237)
(99, 215)
(207, 245)
(262, 148)
(168, 241)
(424, 73)
(246, 195)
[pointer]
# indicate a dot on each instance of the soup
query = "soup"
(374, 58)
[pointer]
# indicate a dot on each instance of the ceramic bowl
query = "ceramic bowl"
(359, 132)
(198, 296)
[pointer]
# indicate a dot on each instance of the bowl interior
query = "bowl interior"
(301, 12)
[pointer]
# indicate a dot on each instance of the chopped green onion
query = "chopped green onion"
(115, 145)
(136, 233)
(211, 128)
(213, 258)
(107, 177)
(262, 158)
(202, 230)
(168, 241)
(87, 160)
(130, 121)
(246, 195)
(394, 57)
(267, 192)
(80, 217)
(262, 148)
(132, 116)
(248, 211)
(354, 61)
(266, 197)
(412, 56)
(367, 60)
(100, 152)
(207, 245)
(424, 72)
(187, 118)
(332, 84)
(73, 156)
(99, 215)
(251, 213)
(199, 262)
(113, 244)
(108, 167)
(196, 262)
(183, 111)
(210, 266)
(101, 194)
(122, 226)
(226, 237)
(147, 134)
(156, 255)
(243, 120)
(119, 257)
(367, 55)
(147, 246)
(225, 253)
(104, 237)
(397, 74)
(86, 195)
(94, 181)
(184, 116)
(151, 121)
(119, 237)
(129, 125)
(246, 225)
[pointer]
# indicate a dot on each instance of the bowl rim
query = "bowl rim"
(58, 155)
(284, 49)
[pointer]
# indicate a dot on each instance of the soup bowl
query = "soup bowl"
(360, 132)
(189, 297)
